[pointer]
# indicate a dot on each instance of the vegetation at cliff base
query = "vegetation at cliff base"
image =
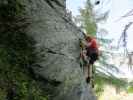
(17, 80)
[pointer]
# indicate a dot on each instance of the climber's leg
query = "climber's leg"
(85, 63)
(86, 71)
(89, 77)
(93, 76)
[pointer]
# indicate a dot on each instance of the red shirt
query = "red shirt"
(93, 43)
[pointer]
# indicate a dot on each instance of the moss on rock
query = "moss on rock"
(16, 55)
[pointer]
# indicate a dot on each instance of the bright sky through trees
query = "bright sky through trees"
(114, 25)
(74, 5)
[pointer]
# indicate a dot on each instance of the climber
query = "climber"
(92, 54)
(89, 55)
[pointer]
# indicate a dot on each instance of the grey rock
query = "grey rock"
(57, 49)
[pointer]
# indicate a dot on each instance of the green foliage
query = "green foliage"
(17, 55)
(102, 80)
(13, 36)
(87, 19)
(99, 86)
(19, 78)
(10, 9)
(130, 89)
(105, 71)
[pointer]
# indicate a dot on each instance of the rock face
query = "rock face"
(57, 49)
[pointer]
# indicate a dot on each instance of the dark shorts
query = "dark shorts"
(92, 53)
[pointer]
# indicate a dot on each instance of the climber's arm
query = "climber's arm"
(86, 44)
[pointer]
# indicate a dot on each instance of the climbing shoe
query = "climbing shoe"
(88, 80)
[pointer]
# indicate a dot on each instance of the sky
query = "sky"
(113, 25)
(74, 5)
